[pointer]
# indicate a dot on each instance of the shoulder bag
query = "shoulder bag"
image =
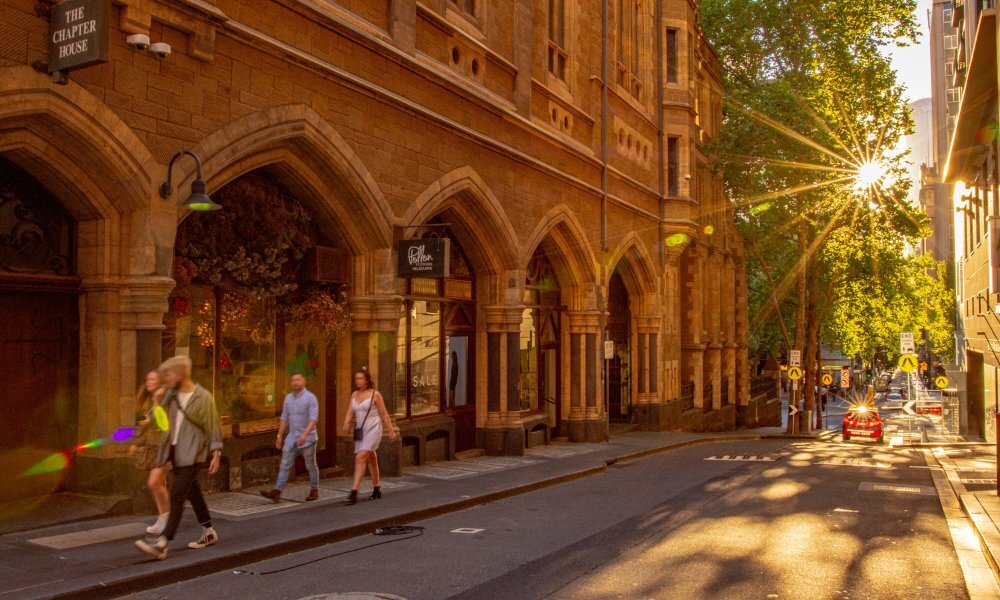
(359, 432)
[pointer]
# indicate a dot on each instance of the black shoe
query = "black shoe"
(352, 498)
(376, 493)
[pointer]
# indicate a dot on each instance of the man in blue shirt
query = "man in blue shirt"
(298, 418)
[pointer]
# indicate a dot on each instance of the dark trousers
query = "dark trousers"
(185, 487)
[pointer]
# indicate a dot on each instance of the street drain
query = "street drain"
(354, 596)
(898, 488)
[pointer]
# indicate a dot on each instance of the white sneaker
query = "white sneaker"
(158, 527)
(208, 537)
(157, 550)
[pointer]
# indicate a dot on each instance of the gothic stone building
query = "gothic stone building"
(560, 153)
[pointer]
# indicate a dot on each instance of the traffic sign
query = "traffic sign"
(906, 344)
(795, 358)
(907, 363)
(845, 378)
(908, 408)
(793, 410)
(827, 379)
(795, 373)
(941, 382)
(923, 366)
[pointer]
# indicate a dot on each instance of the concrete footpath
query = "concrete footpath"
(97, 558)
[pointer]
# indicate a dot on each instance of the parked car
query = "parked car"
(893, 397)
(862, 421)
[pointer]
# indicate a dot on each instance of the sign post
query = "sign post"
(429, 258)
(794, 375)
(906, 343)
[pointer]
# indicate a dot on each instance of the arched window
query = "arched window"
(539, 339)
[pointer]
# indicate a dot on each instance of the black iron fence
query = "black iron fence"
(760, 386)
(687, 396)
(725, 392)
(706, 399)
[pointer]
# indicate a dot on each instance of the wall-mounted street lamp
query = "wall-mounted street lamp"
(198, 200)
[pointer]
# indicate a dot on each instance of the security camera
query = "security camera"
(138, 41)
(160, 49)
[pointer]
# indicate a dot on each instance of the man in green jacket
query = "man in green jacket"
(194, 434)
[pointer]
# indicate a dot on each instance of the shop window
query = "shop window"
(246, 309)
(434, 363)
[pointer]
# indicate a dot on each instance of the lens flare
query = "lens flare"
(161, 418)
(709, 230)
(90, 444)
(870, 175)
(50, 464)
(762, 207)
(124, 434)
(677, 239)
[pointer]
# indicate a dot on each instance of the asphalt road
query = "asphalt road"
(679, 525)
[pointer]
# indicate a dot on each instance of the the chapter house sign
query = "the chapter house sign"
(429, 257)
(78, 34)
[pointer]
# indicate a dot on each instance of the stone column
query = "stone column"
(374, 327)
(693, 313)
(503, 433)
(650, 409)
(403, 24)
(585, 377)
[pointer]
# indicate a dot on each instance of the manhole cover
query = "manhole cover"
(354, 596)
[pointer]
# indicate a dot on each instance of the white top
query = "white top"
(183, 398)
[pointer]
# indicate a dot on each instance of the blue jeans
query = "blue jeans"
(288, 455)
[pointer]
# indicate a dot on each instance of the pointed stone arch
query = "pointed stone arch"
(636, 266)
(312, 159)
(564, 238)
(463, 198)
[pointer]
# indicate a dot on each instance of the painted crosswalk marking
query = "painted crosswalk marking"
(744, 457)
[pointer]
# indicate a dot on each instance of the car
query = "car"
(893, 397)
(862, 421)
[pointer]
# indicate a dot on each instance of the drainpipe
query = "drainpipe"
(659, 126)
(604, 125)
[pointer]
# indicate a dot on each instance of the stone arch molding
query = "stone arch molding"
(310, 155)
(637, 270)
(113, 169)
(464, 196)
(575, 260)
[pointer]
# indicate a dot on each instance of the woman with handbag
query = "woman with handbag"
(146, 444)
(367, 431)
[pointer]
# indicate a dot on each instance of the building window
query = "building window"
(949, 69)
(671, 50)
(557, 38)
(954, 95)
(539, 338)
(466, 6)
(947, 15)
(629, 17)
(951, 42)
(673, 167)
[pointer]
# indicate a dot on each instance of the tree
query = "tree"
(813, 112)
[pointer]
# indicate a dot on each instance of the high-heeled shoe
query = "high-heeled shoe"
(376, 493)
(352, 498)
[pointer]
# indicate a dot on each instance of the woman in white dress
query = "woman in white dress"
(368, 414)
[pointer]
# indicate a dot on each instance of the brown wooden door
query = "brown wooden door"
(39, 351)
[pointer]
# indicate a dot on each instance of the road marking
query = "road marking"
(846, 510)
(467, 530)
(979, 481)
(855, 462)
(91, 536)
(900, 488)
(744, 457)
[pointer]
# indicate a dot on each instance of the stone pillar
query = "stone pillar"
(650, 408)
(741, 332)
(374, 327)
(583, 370)
(693, 314)
(502, 433)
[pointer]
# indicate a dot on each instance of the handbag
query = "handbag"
(359, 433)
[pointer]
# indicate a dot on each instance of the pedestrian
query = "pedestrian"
(193, 436)
(298, 418)
(367, 431)
(146, 446)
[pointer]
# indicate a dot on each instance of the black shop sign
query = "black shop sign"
(428, 257)
(78, 34)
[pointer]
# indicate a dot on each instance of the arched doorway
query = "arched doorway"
(259, 296)
(435, 352)
(39, 321)
(540, 349)
(619, 331)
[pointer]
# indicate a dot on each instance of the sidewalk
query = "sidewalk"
(970, 471)
(96, 558)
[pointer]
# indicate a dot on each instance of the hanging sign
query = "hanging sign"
(428, 257)
(78, 34)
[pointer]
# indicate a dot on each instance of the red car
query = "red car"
(862, 422)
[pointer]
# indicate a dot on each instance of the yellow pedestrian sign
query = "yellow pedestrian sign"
(795, 373)
(908, 363)
(827, 379)
(941, 382)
